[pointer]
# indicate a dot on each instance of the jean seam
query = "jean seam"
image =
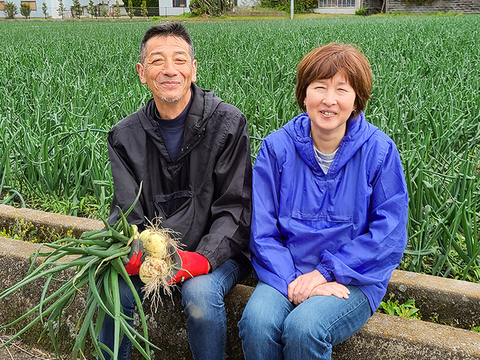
(346, 314)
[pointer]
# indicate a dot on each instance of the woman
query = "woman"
(329, 215)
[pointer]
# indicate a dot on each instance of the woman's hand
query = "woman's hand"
(301, 288)
(331, 288)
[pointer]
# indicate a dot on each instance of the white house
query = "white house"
(337, 6)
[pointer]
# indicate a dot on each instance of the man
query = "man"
(191, 152)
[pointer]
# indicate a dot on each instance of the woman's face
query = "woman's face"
(329, 103)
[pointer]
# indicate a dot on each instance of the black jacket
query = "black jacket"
(206, 195)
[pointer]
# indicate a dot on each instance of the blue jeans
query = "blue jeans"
(203, 302)
(273, 328)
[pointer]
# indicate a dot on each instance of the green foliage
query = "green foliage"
(144, 10)
(130, 9)
(117, 9)
(104, 12)
(77, 8)
(25, 10)
(362, 11)
(211, 7)
(61, 9)
(24, 231)
(148, 3)
(92, 9)
(63, 88)
(45, 9)
(300, 6)
(405, 310)
(10, 10)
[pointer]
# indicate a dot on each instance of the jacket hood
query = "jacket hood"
(358, 132)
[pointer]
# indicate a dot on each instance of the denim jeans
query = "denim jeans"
(203, 302)
(273, 328)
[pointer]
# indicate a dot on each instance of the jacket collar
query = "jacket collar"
(358, 132)
(203, 105)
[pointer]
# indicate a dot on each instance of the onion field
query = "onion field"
(64, 84)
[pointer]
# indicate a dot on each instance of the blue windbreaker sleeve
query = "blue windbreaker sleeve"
(271, 260)
(370, 258)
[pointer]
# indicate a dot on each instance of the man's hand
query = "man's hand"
(189, 264)
(300, 289)
(135, 258)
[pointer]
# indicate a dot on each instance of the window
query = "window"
(2, 5)
(336, 3)
(179, 3)
(33, 4)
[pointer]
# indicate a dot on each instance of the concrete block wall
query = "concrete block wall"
(456, 6)
(383, 337)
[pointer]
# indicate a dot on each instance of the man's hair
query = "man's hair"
(326, 61)
(166, 29)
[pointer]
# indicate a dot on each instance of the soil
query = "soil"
(19, 351)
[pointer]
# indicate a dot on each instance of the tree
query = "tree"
(25, 10)
(130, 9)
(213, 8)
(61, 8)
(117, 9)
(45, 9)
(10, 10)
(144, 8)
(77, 8)
(92, 9)
(104, 12)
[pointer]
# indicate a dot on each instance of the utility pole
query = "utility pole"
(291, 9)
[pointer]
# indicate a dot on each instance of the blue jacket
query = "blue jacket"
(349, 224)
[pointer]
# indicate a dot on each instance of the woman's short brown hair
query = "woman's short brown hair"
(326, 61)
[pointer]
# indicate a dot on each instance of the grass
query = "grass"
(64, 84)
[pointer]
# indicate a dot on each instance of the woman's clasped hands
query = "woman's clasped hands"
(314, 284)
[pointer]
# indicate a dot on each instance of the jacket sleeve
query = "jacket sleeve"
(125, 185)
(231, 210)
(371, 257)
(272, 261)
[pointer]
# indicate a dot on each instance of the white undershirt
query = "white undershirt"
(324, 160)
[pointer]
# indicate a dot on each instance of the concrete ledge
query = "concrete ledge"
(383, 337)
(447, 301)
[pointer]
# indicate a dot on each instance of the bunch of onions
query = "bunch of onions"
(162, 261)
(97, 263)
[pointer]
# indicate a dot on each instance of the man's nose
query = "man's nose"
(169, 68)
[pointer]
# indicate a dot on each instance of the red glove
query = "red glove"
(135, 258)
(189, 264)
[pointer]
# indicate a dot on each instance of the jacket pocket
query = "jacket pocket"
(176, 210)
(328, 217)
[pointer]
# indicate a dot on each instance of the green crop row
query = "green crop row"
(63, 85)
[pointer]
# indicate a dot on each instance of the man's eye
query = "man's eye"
(180, 61)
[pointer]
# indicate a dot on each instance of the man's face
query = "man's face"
(168, 70)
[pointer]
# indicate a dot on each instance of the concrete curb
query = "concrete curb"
(383, 337)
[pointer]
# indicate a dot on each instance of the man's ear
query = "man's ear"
(141, 73)
(194, 74)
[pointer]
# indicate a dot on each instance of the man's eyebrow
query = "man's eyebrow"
(176, 52)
